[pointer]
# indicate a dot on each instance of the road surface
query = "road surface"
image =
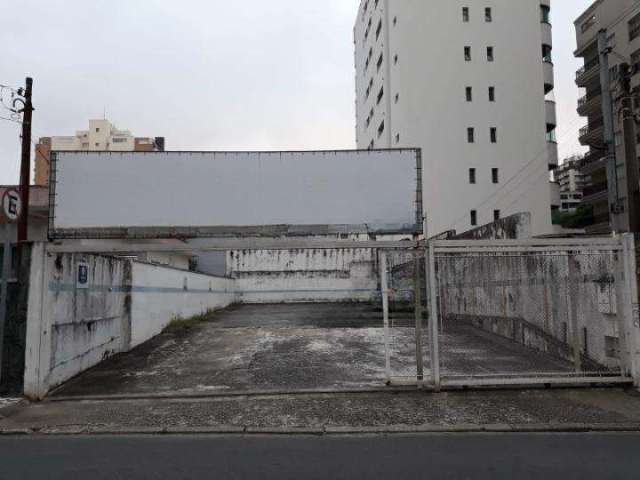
(459, 457)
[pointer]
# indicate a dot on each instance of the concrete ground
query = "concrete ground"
(287, 348)
(461, 411)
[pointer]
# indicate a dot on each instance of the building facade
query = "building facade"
(571, 183)
(469, 82)
(102, 135)
(621, 20)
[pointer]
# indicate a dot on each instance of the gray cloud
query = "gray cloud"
(207, 74)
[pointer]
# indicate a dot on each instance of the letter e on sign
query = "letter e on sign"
(11, 205)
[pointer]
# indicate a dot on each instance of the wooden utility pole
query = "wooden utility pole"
(25, 164)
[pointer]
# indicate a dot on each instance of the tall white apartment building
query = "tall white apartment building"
(471, 83)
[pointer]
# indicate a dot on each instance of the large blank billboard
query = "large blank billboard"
(209, 194)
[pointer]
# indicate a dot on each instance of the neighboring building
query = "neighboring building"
(571, 181)
(621, 19)
(101, 136)
(431, 74)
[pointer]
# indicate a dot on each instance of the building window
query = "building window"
(97, 130)
(395, 21)
(474, 218)
(493, 134)
(545, 14)
(492, 94)
(472, 176)
(380, 61)
(471, 134)
(378, 29)
(397, 138)
(465, 14)
(546, 53)
(490, 54)
(397, 97)
(634, 27)
(119, 140)
(495, 175)
(371, 145)
(97, 144)
(467, 54)
(488, 16)
(469, 94)
(381, 129)
(496, 215)
(380, 95)
(395, 59)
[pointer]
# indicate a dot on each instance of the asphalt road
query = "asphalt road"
(459, 457)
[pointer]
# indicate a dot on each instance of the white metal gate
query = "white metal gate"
(531, 312)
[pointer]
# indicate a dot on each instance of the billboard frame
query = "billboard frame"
(255, 231)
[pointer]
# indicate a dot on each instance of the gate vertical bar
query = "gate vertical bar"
(573, 311)
(433, 319)
(418, 300)
(384, 285)
(4, 285)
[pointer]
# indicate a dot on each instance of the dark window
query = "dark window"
(545, 14)
(492, 94)
(546, 53)
(381, 129)
(474, 218)
(380, 95)
(469, 94)
(488, 15)
(465, 14)
(378, 29)
(490, 54)
(472, 176)
(467, 54)
(471, 135)
(494, 135)
(495, 175)
(496, 214)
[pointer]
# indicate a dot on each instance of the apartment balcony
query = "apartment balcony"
(589, 72)
(547, 34)
(550, 114)
(552, 155)
(590, 103)
(592, 134)
(549, 82)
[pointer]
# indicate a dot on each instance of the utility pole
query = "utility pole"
(25, 164)
(630, 151)
(615, 208)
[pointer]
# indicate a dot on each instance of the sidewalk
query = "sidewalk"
(367, 412)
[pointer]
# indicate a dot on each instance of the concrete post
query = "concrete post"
(628, 309)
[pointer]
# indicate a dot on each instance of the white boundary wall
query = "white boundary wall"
(125, 303)
(159, 294)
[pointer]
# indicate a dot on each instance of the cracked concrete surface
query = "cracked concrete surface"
(297, 347)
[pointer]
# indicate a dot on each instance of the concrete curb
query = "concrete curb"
(326, 430)
(10, 410)
(392, 389)
(234, 394)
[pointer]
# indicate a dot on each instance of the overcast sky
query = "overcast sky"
(209, 74)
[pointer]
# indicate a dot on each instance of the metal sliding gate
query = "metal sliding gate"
(491, 313)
